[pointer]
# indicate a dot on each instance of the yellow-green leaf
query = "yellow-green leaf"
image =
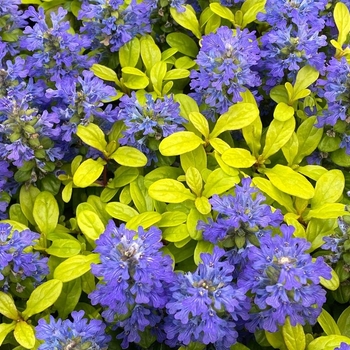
(333, 283)
(305, 77)
(218, 182)
(283, 112)
(179, 143)
(129, 156)
(200, 123)
(8, 307)
(238, 158)
(93, 136)
(24, 334)
(294, 336)
(145, 220)
(90, 224)
(120, 211)
(88, 172)
(202, 204)
(187, 19)
(175, 234)
(327, 211)
(222, 11)
(194, 180)
(327, 323)
(5, 329)
(46, 212)
(342, 20)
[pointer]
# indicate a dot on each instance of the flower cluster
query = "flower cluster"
(134, 278)
(205, 305)
(226, 60)
(17, 263)
(284, 281)
(80, 333)
(147, 124)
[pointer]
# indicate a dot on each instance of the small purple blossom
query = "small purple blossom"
(284, 281)
(343, 346)
(80, 333)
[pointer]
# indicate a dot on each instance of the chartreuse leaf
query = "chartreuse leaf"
(157, 75)
(27, 195)
(43, 297)
(276, 339)
(175, 74)
(289, 181)
(327, 323)
(222, 11)
(331, 284)
(88, 172)
(327, 211)
(202, 205)
(218, 182)
(16, 214)
(8, 307)
(105, 73)
(200, 123)
(308, 137)
(278, 134)
(145, 220)
(250, 9)
(187, 19)
(283, 112)
(134, 78)
(176, 233)
(139, 194)
(172, 218)
(179, 143)
(75, 267)
(294, 336)
(329, 188)
(202, 247)
(93, 136)
(67, 192)
(150, 52)
(314, 172)
(305, 77)
(292, 219)
(170, 191)
(290, 149)
(238, 158)
(238, 346)
(182, 43)
(316, 229)
(45, 212)
(194, 180)
(328, 342)
(252, 135)
(120, 211)
(129, 156)
(279, 196)
(5, 329)
(129, 53)
(24, 334)
(90, 224)
(219, 145)
(344, 322)
(342, 20)
(196, 158)
(64, 248)
(238, 116)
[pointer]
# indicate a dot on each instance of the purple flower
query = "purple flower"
(239, 215)
(225, 63)
(80, 333)
(17, 263)
(284, 281)
(343, 346)
(147, 124)
(205, 305)
(134, 278)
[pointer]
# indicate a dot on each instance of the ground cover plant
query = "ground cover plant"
(174, 174)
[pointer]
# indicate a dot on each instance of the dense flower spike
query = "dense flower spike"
(239, 215)
(147, 124)
(284, 282)
(225, 62)
(80, 333)
(205, 305)
(17, 262)
(134, 277)
(113, 23)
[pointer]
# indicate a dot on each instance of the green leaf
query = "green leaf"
(238, 116)
(16, 214)
(327, 211)
(196, 158)
(290, 149)
(134, 78)
(172, 218)
(69, 298)
(5, 329)
(45, 212)
(222, 11)
(145, 220)
(252, 135)
(200, 123)
(333, 283)
(276, 339)
(75, 267)
(184, 62)
(104, 72)
(194, 180)
(64, 248)
(314, 172)
(177, 74)
(305, 77)
(169, 53)
(202, 247)
(176, 233)
(129, 156)
(24, 334)
(88, 172)
(120, 211)
(90, 224)
(316, 229)
(187, 105)
(279, 94)
(27, 195)
(289, 181)
(294, 336)
(179, 143)
(157, 75)
(202, 204)
(329, 342)
(193, 218)
(123, 176)
(329, 188)
(283, 112)
(218, 182)
(238, 158)
(43, 297)
(8, 307)
(344, 322)
(327, 323)
(170, 191)
(341, 158)
(93, 136)
(251, 8)
(278, 134)
(342, 20)
(182, 43)
(129, 53)
(139, 194)
(150, 52)
(187, 19)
